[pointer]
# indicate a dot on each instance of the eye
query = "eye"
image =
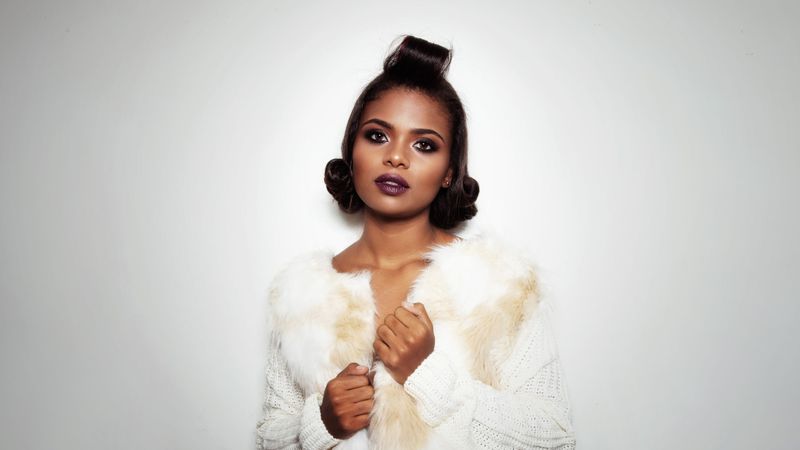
(426, 146)
(375, 136)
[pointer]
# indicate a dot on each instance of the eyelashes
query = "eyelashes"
(376, 136)
(379, 137)
(425, 145)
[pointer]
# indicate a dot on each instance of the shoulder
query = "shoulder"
(485, 267)
(302, 265)
(300, 283)
(346, 261)
(484, 254)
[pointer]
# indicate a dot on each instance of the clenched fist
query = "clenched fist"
(404, 340)
(347, 402)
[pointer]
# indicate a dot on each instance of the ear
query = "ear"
(448, 178)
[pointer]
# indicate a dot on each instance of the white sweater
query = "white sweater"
(493, 380)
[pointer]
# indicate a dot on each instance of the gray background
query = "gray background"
(160, 160)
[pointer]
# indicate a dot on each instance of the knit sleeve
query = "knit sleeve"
(529, 410)
(290, 421)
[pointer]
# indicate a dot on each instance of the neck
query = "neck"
(391, 243)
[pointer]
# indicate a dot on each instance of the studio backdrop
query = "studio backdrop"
(159, 161)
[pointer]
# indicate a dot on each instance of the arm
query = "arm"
(290, 421)
(529, 410)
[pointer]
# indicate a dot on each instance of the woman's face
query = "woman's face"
(403, 134)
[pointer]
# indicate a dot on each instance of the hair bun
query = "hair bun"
(337, 176)
(471, 189)
(419, 60)
(339, 183)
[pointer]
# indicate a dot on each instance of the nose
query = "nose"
(396, 155)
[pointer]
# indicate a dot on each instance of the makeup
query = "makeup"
(391, 184)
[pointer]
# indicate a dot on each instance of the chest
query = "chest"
(326, 321)
(391, 287)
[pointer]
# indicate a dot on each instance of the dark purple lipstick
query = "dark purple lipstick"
(391, 184)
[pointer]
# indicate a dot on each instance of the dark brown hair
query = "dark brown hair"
(418, 65)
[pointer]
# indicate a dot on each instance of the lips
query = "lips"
(391, 184)
(392, 180)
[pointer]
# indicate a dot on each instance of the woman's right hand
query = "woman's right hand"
(347, 402)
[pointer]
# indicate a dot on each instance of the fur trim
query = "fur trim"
(394, 422)
(477, 292)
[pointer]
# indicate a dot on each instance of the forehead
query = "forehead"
(404, 108)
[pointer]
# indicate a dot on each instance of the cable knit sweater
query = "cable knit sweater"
(493, 380)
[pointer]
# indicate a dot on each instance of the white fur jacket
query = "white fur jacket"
(492, 381)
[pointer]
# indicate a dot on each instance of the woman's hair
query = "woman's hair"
(418, 65)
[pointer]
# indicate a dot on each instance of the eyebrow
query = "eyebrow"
(386, 124)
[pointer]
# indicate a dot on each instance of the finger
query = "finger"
(410, 308)
(358, 370)
(353, 369)
(423, 314)
(395, 323)
(387, 336)
(381, 349)
(347, 368)
(349, 382)
(361, 421)
(385, 328)
(360, 394)
(406, 317)
(363, 407)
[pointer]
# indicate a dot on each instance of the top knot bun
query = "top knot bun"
(418, 59)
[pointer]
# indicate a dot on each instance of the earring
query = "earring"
(447, 182)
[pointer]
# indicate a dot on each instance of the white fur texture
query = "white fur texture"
(476, 291)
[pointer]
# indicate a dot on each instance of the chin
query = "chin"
(396, 213)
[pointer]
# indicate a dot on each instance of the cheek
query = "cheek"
(438, 168)
(360, 166)
(357, 159)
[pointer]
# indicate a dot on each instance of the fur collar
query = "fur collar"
(476, 290)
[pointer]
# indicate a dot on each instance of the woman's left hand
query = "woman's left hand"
(404, 340)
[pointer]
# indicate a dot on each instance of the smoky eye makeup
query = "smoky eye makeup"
(375, 135)
(378, 136)
(426, 145)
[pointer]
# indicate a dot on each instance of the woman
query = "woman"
(412, 337)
